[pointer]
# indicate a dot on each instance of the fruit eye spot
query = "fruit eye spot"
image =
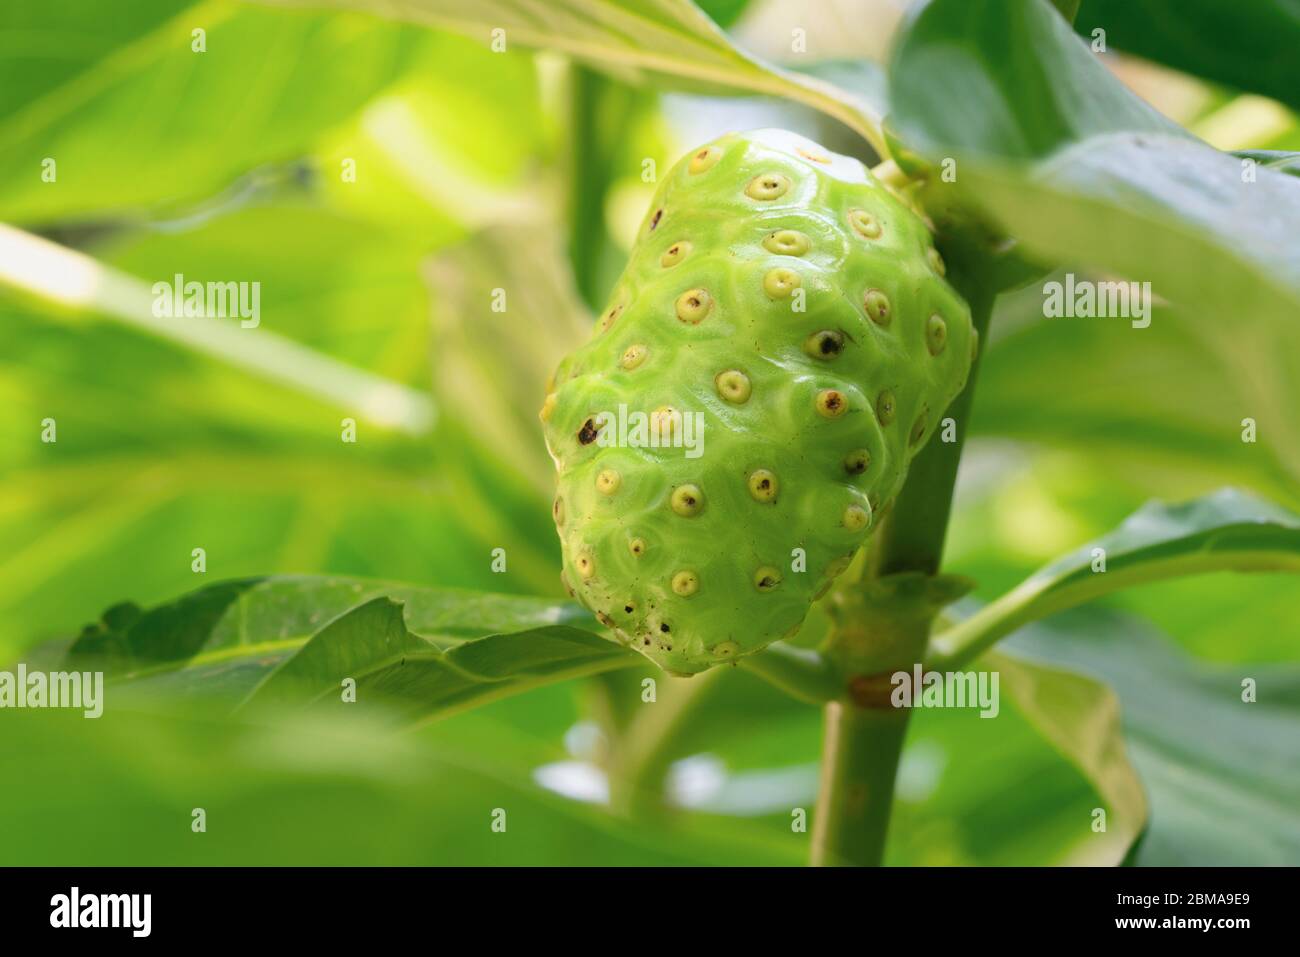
(780, 282)
(885, 407)
(787, 242)
(675, 254)
(557, 511)
(586, 567)
(608, 481)
(725, 649)
(610, 317)
(856, 518)
(936, 335)
(826, 344)
(857, 461)
(704, 160)
(936, 261)
(686, 583)
(768, 186)
(763, 485)
(918, 429)
(654, 220)
(767, 578)
(693, 305)
(733, 385)
(633, 356)
(831, 403)
(864, 224)
(637, 547)
(687, 500)
(587, 434)
(877, 305)
(810, 155)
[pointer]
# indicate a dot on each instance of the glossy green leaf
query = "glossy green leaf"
(415, 654)
(1250, 46)
(1219, 769)
(673, 40)
(414, 678)
(1057, 152)
(166, 124)
(1227, 531)
(1080, 717)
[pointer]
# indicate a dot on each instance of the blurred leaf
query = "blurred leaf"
(415, 679)
(415, 653)
(165, 124)
(1081, 718)
(1282, 161)
(1229, 530)
(673, 40)
(1220, 772)
(1193, 36)
(1006, 78)
(1132, 401)
(1103, 180)
(306, 790)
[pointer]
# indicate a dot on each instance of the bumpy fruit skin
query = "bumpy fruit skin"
(779, 290)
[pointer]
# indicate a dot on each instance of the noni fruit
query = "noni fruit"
(780, 345)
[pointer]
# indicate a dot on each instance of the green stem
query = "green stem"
(860, 751)
(586, 181)
(645, 749)
(883, 623)
(799, 672)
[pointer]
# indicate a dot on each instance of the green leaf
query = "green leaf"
(416, 680)
(1250, 46)
(1095, 177)
(163, 123)
(1080, 717)
(1112, 395)
(1220, 772)
(1229, 530)
(673, 40)
(1280, 160)
(415, 653)
(1006, 78)
(315, 789)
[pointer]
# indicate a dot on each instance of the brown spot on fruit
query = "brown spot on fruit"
(693, 305)
(675, 254)
(826, 344)
(832, 403)
(763, 485)
(687, 500)
(857, 461)
(704, 160)
(767, 186)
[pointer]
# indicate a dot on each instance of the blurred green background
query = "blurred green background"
(228, 165)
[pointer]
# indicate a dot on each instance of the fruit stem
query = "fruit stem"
(801, 673)
(889, 173)
(883, 622)
(644, 750)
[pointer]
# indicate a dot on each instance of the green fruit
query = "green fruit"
(781, 297)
